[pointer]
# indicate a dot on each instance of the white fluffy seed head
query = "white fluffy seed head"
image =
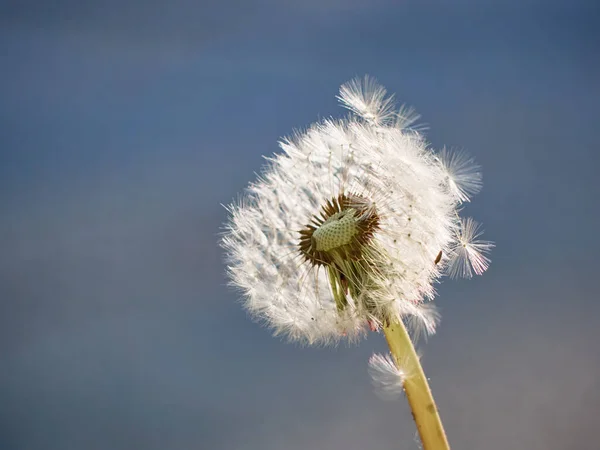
(378, 259)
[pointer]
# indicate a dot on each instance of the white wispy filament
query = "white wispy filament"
(469, 252)
(352, 224)
(464, 176)
(386, 377)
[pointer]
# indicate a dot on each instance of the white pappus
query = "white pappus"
(387, 378)
(352, 224)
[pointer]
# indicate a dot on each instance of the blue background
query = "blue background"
(124, 125)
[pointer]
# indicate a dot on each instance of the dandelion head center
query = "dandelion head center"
(340, 232)
(336, 231)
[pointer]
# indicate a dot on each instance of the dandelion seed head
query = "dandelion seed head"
(350, 226)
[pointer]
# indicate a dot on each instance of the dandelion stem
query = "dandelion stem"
(416, 388)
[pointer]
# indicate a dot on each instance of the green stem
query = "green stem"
(417, 390)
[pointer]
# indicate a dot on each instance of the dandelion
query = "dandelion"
(349, 228)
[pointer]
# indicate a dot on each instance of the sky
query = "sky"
(126, 125)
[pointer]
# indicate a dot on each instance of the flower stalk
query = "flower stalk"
(416, 387)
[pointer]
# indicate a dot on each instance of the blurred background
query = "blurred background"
(124, 127)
